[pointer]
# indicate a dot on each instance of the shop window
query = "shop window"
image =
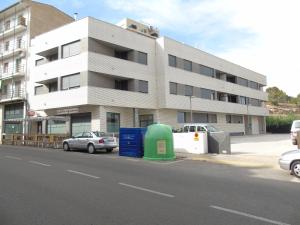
(146, 120)
(113, 122)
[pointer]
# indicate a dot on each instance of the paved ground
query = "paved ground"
(54, 187)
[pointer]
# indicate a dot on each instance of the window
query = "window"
(232, 98)
(14, 111)
(112, 122)
(146, 120)
(243, 100)
(172, 61)
(39, 62)
(234, 119)
(142, 58)
(231, 78)
(52, 87)
(253, 85)
(133, 26)
(188, 90)
(173, 88)
(187, 65)
(200, 118)
(121, 54)
(143, 86)
(5, 68)
(212, 118)
(7, 25)
(6, 46)
(71, 49)
(19, 67)
(19, 42)
(206, 93)
(181, 117)
(242, 81)
(70, 81)
(121, 85)
(204, 70)
(254, 102)
(38, 90)
(204, 118)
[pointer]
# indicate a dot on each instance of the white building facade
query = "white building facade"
(101, 77)
(18, 24)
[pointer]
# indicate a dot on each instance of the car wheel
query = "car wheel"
(91, 149)
(295, 168)
(109, 150)
(66, 147)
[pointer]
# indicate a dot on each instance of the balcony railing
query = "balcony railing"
(13, 94)
(20, 21)
(11, 71)
(5, 50)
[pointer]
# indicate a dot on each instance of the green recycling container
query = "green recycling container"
(158, 143)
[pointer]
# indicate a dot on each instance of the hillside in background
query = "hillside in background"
(283, 109)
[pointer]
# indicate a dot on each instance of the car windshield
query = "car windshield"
(297, 124)
(211, 128)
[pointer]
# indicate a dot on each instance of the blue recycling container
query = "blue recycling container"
(131, 142)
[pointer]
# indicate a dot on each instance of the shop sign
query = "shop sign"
(67, 111)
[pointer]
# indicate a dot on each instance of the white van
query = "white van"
(198, 127)
(294, 129)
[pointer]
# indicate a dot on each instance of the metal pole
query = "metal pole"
(191, 111)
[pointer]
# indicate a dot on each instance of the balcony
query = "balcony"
(10, 51)
(9, 30)
(12, 95)
(12, 72)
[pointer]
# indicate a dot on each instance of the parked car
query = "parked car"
(91, 141)
(193, 127)
(291, 161)
(294, 129)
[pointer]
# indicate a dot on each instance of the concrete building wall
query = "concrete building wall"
(45, 18)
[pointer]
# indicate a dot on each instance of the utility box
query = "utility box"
(159, 143)
(219, 142)
(131, 142)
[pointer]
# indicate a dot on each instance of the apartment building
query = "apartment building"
(99, 76)
(18, 24)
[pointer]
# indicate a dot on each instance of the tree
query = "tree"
(277, 96)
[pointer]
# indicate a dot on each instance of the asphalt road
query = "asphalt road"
(39, 187)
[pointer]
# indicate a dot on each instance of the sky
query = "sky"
(261, 35)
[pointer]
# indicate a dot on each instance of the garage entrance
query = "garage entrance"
(80, 123)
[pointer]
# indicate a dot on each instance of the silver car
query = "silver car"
(291, 161)
(91, 141)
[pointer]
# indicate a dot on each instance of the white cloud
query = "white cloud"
(271, 47)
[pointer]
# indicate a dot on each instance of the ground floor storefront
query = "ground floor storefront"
(72, 120)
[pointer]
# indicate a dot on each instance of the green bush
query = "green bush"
(281, 124)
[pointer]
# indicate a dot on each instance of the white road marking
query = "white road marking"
(248, 215)
(12, 157)
(148, 190)
(83, 174)
(39, 163)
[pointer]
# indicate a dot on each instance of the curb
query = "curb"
(234, 163)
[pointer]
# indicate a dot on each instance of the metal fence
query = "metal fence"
(40, 140)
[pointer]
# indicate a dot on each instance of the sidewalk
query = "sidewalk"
(261, 151)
